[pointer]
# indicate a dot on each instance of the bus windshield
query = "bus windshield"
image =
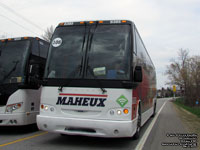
(65, 58)
(95, 52)
(12, 56)
(109, 54)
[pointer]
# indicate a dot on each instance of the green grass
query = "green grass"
(194, 110)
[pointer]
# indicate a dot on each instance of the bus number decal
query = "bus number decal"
(56, 42)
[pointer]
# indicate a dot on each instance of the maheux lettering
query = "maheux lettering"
(81, 101)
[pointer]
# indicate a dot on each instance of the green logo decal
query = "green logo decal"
(122, 100)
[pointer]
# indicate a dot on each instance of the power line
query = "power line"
(18, 24)
(17, 14)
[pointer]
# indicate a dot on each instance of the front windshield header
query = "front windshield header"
(90, 52)
(12, 56)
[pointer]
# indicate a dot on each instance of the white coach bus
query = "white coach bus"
(22, 63)
(99, 80)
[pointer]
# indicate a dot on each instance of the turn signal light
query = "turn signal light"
(126, 111)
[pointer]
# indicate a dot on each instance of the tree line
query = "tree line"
(184, 72)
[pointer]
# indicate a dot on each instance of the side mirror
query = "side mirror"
(34, 70)
(138, 74)
(34, 75)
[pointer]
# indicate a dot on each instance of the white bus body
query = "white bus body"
(91, 98)
(19, 66)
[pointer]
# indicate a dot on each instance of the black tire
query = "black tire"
(64, 135)
(137, 133)
(154, 110)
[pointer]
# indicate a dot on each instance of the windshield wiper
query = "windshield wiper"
(11, 71)
(73, 73)
(79, 67)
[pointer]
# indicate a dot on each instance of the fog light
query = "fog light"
(119, 112)
(46, 107)
(52, 109)
(112, 112)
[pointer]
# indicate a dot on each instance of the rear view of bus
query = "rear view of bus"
(22, 61)
(96, 83)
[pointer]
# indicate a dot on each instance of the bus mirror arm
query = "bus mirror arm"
(138, 74)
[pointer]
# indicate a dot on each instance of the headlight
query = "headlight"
(12, 107)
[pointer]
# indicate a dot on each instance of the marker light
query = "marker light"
(25, 38)
(62, 24)
(9, 39)
(124, 21)
(119, 112)
(91, 22)
(42, 106)
(126, 111)
(82, 22)
(100, 21)
(3, 40)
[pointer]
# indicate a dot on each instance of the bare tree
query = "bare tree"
(48, 33)
(185, 72)
(177, 70)
(194, 87)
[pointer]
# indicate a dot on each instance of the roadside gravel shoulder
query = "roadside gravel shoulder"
(191, 121)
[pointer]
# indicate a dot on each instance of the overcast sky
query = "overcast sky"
(164, 25)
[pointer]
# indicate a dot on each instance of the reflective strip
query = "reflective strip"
(93, 95)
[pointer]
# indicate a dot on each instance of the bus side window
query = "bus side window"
(43, 49)
(35, 49)
(134, 42)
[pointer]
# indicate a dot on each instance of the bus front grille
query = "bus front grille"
(72, 129)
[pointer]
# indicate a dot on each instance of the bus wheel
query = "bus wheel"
(154, 110)
(64, 135)
(137, 133)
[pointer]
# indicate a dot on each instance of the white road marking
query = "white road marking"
(147, 132)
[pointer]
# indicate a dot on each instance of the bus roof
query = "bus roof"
(19, 38)
(95, 22)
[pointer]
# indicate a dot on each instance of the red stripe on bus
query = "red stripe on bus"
(94, 95)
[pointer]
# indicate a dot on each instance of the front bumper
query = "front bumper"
(87, 127)
(17, 119)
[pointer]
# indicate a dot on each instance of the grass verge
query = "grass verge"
(193, 110)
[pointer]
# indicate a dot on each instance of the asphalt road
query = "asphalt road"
(153, 135)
